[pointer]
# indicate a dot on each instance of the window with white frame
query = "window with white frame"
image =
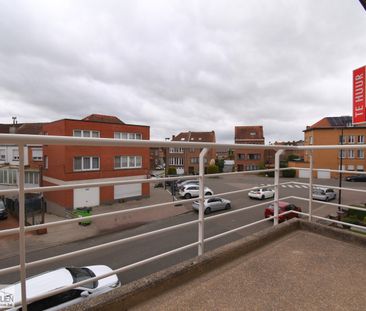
(127, 162)
(31, 177)
(2, 154)
(125, 135)
(12, 177)
(310, 140)
(342, 154)
(15, 155)
(176, 161)
(176, 150)
(360, 168)
(46, 162)
(3, 176)
(360, 153)
(351, 139)
(361, 139)
(342, 139)
(86, 163)
(37, 154)
(351, 154)
(350, 167)
(86, 133)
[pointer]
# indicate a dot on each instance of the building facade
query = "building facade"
(249, 159)
(9, 157)
(334, 131)
(186, 160)
(85, 164)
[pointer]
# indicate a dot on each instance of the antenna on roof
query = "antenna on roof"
(14, 120)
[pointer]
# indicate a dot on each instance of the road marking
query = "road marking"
(306, 187)
(283, 186)
(290, 186)
(297, 186)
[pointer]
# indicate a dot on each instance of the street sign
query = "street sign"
(359, 89)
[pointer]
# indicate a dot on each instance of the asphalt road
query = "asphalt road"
(128, 253)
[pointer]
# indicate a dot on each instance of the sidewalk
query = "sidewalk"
(72, 232)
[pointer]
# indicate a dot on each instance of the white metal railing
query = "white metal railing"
(22, 140)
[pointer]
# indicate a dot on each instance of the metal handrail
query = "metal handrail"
(22, 140)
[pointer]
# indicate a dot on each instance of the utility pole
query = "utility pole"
(340, 174)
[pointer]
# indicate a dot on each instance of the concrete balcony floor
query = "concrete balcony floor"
(297, 266)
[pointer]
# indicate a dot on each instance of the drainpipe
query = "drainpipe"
(201, 232)
(276, 183)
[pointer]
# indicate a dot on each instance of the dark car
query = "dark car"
(3, 211)
(356, 178)
(282, 207)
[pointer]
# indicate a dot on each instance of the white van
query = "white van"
(46, 282)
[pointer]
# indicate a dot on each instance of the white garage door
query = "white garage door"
(304, 174)
(127, 191)
(86, 197)
(323, 175)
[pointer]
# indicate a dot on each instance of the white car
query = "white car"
(190, 191)
(57, 279)
(182, 183)
(212, 204)
(323, 194)
(261, 194)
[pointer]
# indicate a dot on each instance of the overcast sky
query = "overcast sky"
(182, 65)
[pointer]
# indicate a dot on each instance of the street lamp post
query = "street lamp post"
(340, 174)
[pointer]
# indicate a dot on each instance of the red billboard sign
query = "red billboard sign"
(359, 100)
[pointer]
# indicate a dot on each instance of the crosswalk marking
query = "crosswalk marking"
(287, 185)
(290, 186)
(306, 187)
(283, 186)
(297, 186)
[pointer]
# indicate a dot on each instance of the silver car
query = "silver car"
(324, 194)
(212, 204)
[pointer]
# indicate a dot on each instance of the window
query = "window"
(310, 140)
(361, 139)
(15, 155)
(46, 162)
(342, 154)
(241, 156)
(31, 178)
(176, 150)
(360, 168)
(254, 156)
(12, 177)
(86, 133)
(360, 154)
(350, 167)
(127, 162)
(351, 154)
(176, 161)
(37, 154)
(351, 139)
(2, 155)
(124, 135)
(194, 160)
(86, 163)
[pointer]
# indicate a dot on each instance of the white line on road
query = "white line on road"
(283, 186)
(306, 187)
(290, 186)
(297, 186)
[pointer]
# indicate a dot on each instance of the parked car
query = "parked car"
(57, 279)
(3, 211)
(356, 178)
(190, 191)
(324, 194)
(262, 193)
(182, 183)
(282, 207)
(212, 204)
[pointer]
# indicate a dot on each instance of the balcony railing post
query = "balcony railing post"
(201, 224)
(276, 183)
(311, 185)
(21, 227)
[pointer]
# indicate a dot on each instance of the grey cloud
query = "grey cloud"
(181, 65)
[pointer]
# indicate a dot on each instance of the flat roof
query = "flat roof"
(295, 266)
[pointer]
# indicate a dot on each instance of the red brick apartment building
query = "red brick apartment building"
(9, 156)
(65, 165)
(249, 159)
(186, 160)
